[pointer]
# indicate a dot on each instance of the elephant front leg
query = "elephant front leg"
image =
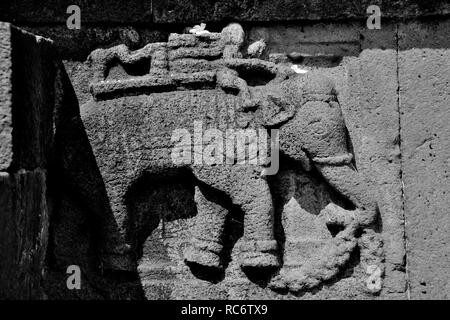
(259, 248)
(207, 235)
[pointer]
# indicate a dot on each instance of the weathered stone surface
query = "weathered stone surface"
(309, 40)
(6, 152)
(27, 99)
(24, 217)
(131, 121)
(190, 11)
(168, 229)
(372, 115)
(211, 10)
(76, 45)
(51, 11)
(27, 103)
(311, 45)
(424, 74)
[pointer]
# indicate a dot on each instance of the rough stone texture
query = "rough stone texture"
(193, 11)
(6, 151)
(424, 62)
(130, 132)
(51, 11)
(27, 100)
(78, 44)
(266, 10)
(310, 40)
(311, 45)
(23, 234)
(374, 120)
(392, 89)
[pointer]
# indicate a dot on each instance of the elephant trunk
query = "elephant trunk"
(351, 185)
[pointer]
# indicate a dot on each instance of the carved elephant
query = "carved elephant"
(131, 139)
(130, 122)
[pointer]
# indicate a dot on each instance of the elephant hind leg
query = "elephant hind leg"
(206, 248)
(259, 249)
(117, 253)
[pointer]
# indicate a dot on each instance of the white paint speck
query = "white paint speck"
(298, 70)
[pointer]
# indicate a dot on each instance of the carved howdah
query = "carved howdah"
(195, 107)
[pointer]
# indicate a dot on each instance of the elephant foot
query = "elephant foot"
(204, 253)
(277, 283)
(259, 255)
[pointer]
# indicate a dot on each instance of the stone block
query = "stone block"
(27, 98)
(23, 233)
(92, 11)
(27, 101)
(170, 11)
(424, 74)
(371, 108)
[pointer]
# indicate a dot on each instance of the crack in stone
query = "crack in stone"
(403, 199)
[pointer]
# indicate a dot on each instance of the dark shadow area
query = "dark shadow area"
(260, 277)
(206, 273)
(334, 229)
(82, 225)
(255, 77)
(118, 70)
(327, 61)
(158, 197)
(169, 196)
(134, 91)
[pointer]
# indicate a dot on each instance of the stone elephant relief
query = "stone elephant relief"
(130, 124)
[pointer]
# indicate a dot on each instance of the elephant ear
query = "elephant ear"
(277, 110)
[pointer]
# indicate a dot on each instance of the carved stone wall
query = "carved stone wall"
(357, 209)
